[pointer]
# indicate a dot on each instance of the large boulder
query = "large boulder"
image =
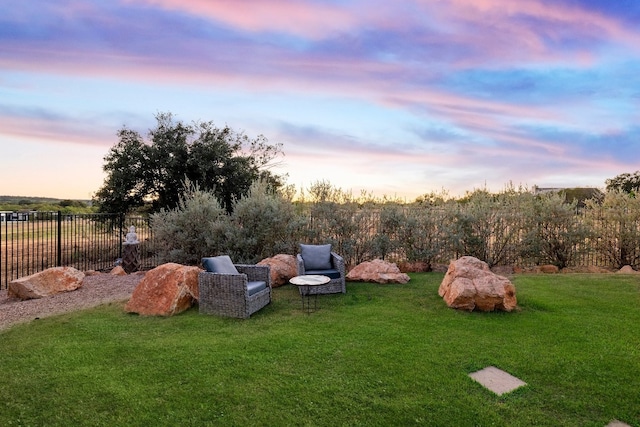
(282, 268)
(164, 291)
(378, 271)
(44, 283)
(470, 285)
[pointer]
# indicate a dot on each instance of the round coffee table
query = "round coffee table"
(304, 284)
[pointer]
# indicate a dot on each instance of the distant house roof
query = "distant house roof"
(538, 190)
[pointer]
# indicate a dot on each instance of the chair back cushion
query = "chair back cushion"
(219, 264)
(331, 273)
(316, 257)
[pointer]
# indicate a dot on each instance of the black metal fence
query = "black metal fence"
(36, 241)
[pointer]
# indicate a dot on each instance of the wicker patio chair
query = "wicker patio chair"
(233, 290)
(319, 259)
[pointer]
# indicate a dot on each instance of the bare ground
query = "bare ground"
(98, 289)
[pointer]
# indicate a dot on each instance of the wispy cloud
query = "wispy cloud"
(462, 91)
(51, 127)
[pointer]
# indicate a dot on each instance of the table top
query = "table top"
(310, 280)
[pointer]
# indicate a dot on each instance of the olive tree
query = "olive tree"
(487, 226)
(554, 231)
(616, 223)
(264, 223)
(199, 226)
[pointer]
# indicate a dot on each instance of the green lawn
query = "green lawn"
(380, 355)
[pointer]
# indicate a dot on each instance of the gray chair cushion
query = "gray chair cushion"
(316, 257)
(219, 264)
(255, 287)
(331, 274)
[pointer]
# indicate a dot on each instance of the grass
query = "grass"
(379, 355)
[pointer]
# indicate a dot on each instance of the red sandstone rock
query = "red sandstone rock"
(44, 283)
(549, 269)
(470, 285)
(164, 291)
(377, 271)
(282, 267)
(627, 269)
(118, 271)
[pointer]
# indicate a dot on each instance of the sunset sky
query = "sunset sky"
(396, 98)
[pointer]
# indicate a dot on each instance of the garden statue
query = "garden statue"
(131, 237)
(130, 253)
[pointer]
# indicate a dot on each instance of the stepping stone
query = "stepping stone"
(496, 380)
(616, 423)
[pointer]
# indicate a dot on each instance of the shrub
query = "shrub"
(197, 227)
(487, 226)
(346, 222)
(264, 223)
(555, 233)
(423, 234)
(615, 221)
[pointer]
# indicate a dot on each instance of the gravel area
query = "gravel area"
(96, 289)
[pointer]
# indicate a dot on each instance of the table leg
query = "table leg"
(306, 295)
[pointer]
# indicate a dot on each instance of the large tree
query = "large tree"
(625, 182)
(154, 173)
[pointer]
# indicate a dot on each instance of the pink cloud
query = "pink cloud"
(313, 20)
(525, 31)
(56, 131)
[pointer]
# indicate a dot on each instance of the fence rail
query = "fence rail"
(39, 240)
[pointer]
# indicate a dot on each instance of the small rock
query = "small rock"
(118, 271)
(549, 269)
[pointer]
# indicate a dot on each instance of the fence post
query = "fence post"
(59, 257)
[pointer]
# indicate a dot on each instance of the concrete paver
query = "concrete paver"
(497, 380)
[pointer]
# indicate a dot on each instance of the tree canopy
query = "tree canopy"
(153, 174)
(625, 182)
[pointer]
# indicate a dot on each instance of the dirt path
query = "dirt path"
(96, 290)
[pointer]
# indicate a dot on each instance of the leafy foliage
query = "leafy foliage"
(555, 234)
(44, 204)
(264, 223)
(616, 221)
(424, 234)
(198, 226)
(625, 182)
(152, 174)
(487, 226)
(513, 227)
(344, 221)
